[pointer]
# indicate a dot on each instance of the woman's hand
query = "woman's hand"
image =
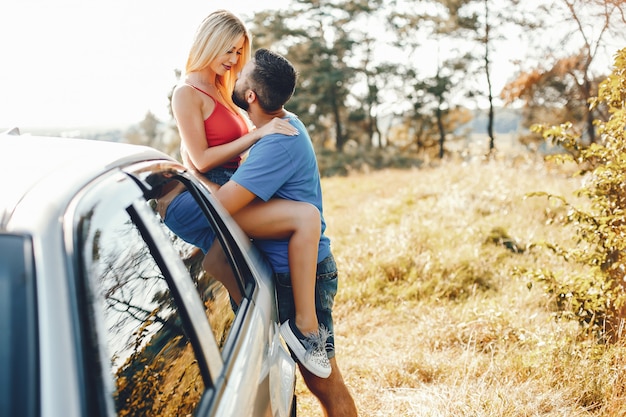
(213, 187)
(277, 125)
(187, 160)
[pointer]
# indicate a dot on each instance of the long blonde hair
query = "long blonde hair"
(216, 35)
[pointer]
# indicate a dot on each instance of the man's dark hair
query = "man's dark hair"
(273, 79)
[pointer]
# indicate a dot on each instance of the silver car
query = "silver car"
(105, 312)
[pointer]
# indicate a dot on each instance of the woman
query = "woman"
(214, 134)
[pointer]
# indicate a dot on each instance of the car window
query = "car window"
(218, 284)
(18, 344)
(154, 367)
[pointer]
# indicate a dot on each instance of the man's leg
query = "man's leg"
(332, 392)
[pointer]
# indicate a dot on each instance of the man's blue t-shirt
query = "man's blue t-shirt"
(284, 167)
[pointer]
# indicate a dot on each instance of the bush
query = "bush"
(596, 299)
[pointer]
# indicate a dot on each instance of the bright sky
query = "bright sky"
(77, 63)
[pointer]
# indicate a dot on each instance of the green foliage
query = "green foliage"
(596, 299)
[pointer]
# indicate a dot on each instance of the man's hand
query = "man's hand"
(277, 125)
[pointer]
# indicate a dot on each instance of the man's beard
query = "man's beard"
(240, 100)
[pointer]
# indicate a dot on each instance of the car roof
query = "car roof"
(56, 166)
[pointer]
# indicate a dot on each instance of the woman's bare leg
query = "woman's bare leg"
(216, 265)
(300, 223)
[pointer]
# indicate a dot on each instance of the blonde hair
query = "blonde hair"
(217, 34)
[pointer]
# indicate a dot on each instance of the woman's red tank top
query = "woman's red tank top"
(223, 126)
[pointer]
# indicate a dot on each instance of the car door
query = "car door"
(160, 336)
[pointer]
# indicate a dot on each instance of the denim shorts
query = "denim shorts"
(325, 291)
(187, 221)
(219, 175)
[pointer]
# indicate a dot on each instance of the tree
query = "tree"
(487, 24)
(486, 40)
(444, 22)
(149, 126)
(436, 90)
(372, 97)
(370, 71)
(314, 35)
(568, 80)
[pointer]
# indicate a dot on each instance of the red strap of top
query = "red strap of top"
(202, 91)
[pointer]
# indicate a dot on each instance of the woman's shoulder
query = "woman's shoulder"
(185, 97)
(183, 90)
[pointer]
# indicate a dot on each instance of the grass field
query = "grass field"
(432, 317)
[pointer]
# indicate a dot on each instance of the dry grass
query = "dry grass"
(431, 317)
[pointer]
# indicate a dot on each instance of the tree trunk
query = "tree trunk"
(340, 140)
(492, 139)
(442, 133)
(591, 130)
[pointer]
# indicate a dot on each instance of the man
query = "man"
(286, 168)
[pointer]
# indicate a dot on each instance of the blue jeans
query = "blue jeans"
(325, 291)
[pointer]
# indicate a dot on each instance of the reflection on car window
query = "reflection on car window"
(191, 233)
(152, 361)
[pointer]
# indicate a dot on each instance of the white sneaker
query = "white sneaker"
(309, 349)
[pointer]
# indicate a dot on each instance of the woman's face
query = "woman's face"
(225, 61)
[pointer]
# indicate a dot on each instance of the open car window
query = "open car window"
(125, 249)
(201, 242)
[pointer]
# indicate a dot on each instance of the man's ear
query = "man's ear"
(250, 96)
